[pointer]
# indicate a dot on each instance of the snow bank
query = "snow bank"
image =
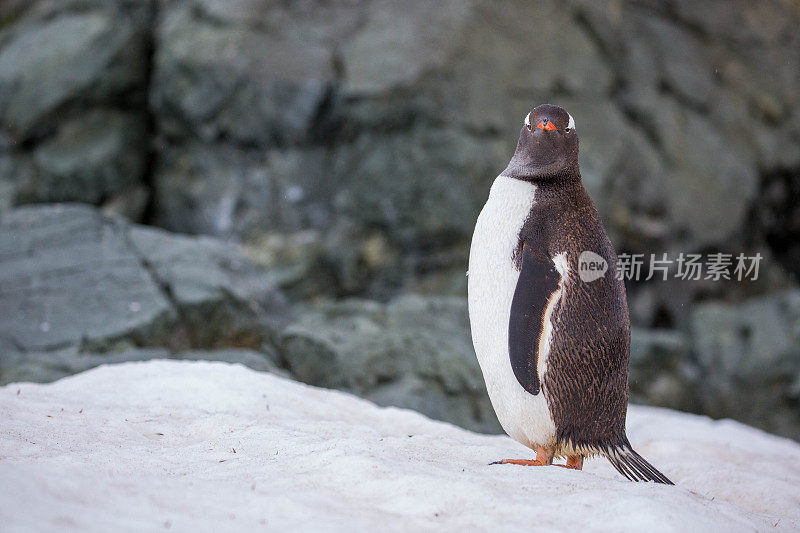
(196, 446)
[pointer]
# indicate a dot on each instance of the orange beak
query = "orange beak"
(546, 125)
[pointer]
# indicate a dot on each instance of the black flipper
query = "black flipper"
(538, 280)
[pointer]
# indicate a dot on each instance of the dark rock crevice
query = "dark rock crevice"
(775, 216)
(149, 171)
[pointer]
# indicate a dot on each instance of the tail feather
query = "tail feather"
(633, 466)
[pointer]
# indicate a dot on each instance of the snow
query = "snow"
(199, 446)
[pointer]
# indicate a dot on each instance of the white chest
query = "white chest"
(491, 285)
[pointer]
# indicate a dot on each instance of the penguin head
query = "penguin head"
(547, 148)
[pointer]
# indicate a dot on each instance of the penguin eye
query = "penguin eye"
(567, 130)
(530, 128)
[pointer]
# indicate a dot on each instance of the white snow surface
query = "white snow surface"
(199, 446)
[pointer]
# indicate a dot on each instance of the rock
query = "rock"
(470, 71)
(729, 178)
(44, 367)
(219, 190)
(775, 217)
(661, 371)
(403, 185)
(130, 203)
(392, 186)
(73, 116)
(61, 56)
(221, 297)
(748, 358)
(7, 193)
(11, 9)
(59, 259)
(295, 263)
(392, 50)
(261, 361)
(413, 352)
(47, 366)
(382, 130)
(74, 281)
(212, 78)
(686, 65)
(93, 157)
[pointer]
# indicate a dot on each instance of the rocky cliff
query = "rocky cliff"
(348, 146)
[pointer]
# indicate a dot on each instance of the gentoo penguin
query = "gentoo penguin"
(552, 347)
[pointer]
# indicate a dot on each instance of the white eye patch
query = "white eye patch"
(571, 121)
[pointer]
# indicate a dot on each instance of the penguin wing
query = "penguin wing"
(531, 307)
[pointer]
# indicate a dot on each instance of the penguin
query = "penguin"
(553, 348)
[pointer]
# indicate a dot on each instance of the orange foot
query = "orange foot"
(523, 462)
(544, 457)
(574, 462)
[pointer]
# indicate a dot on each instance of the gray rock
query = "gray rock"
(749, 360)
(661, 373)
(413, 352)
(474, 47)
(11, 9)
(212, 78)
(68, 277)
(93, 157)
(219, 190)
(295, 263)
(403, 115)
(74, 279)
(130, 202)
(73, 115)
(8, 193)
(418, 206)
(55, 58)
(221, 297)
(686, 65)
(47, 366)
(262, 361)
(44, 367)
(391, 49)
(695, 177)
